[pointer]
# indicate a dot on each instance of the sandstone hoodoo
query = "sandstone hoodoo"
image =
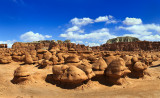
(22, 75)
(117, 71)
(68, 74)
(71, 65)
(99, 66)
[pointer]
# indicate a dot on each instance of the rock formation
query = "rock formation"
(122, 39)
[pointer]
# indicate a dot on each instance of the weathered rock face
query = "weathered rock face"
(23, 74)
(5, 60)
(68, 74)
(87, 68)
(3, 45)
(99, 66)
(28, 59)
(116, 71)
(138, 70)
(72, 59)
(129, 46)
(47, 44)
(122, 39)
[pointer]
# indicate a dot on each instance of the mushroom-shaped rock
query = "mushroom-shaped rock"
(71, 49)
(92, 59)
(28, 59)
(47, 55)
(138, 70)
(68, 74)
(72, 59)
(128, 61)
(87, 68)
(40, 56)
(116, 71)
(23, 74)
(45, 63)
(18, 58)
(155, 58)
(60, 58)
(41, 51)
(5, 60)
(54, 59)
(134, 59)
(109, 59)
(139, 66)
(99, 66)
(53, 51)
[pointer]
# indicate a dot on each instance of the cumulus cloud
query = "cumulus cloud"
(143, 31)
(132, 21)
(82, 21)
(31, 36)
(78, 42)
(102, 19)
(108, 19)
(8, 42)
(133, 27)
(93, 38)
(97, 34)
(93, 44)
(74, 28)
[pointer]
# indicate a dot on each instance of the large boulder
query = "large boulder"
(99, 66)
(54, 59)
(72, 59)
(139, 70)
(87, 68)
(60, 58)
(28, 59)
(5, 59)
(22, 75)
(44, 63)
(47, 55)
(68, 74)
(109, 59)
(116, 71)
(18, 58)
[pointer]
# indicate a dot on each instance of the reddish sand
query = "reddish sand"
(148, 87)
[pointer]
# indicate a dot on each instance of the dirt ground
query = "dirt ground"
(148, 87)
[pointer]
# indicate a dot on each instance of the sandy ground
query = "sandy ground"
(148, 87)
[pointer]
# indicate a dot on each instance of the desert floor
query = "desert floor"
(148, 87)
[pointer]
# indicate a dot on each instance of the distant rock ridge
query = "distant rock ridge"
(122, 39)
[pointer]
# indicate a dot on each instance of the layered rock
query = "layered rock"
(122, 39)
(116, 71)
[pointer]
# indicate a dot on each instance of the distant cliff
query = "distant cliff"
(122, 39)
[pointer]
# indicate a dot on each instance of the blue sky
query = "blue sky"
(89, 22)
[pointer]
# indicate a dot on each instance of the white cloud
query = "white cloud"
(108, 19)
(151, 37)
(78, 42)
(143, 29)
(102, 19)
(92, 39)
(132, 21)
(74, 28)
(8, 42)
(93, 44)
(82, 21)
(97, 34)
(48, 36)
(31, 36)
